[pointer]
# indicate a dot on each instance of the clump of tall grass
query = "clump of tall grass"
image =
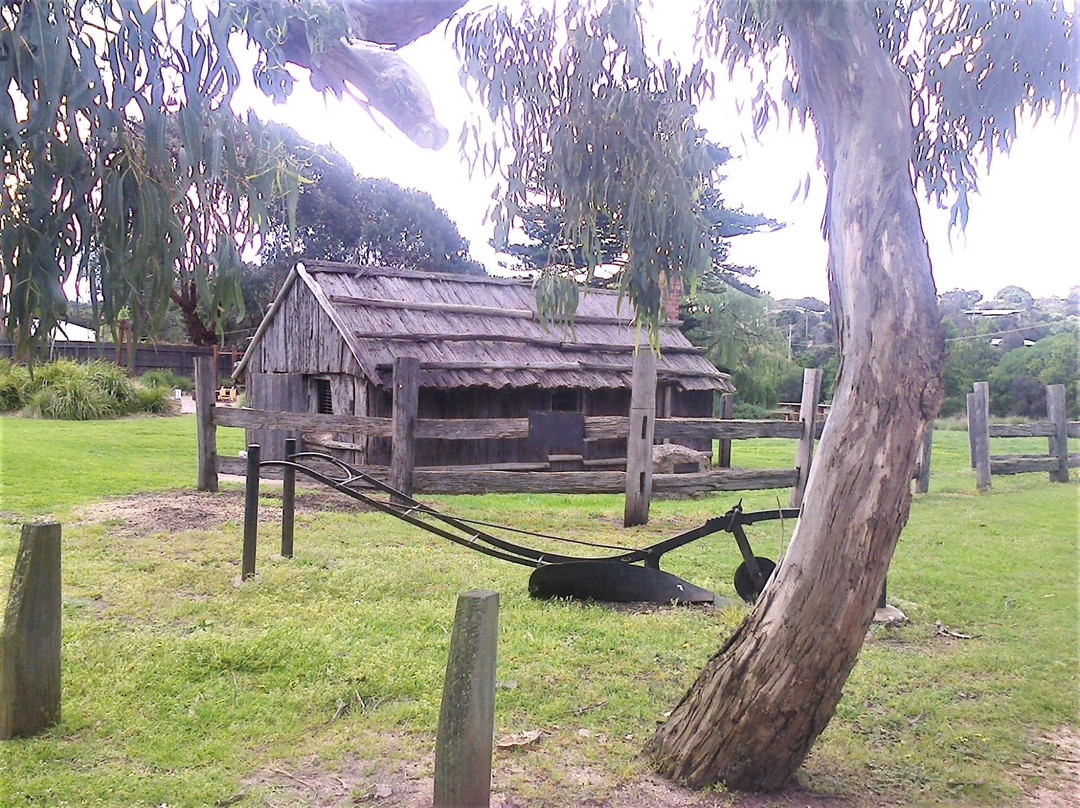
(70, 399)
(154, 399)
(163, 377)
(14, 383)
(75, 391)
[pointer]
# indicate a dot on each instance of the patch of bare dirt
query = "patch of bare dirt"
(359, 783)
(517, 782)
(177, 511)
(1054, 781)
(520, 780)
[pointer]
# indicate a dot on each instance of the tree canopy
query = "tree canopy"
(342, 217)
(593, 127)
(124, 167)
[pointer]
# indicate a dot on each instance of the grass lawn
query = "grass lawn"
(323, 676)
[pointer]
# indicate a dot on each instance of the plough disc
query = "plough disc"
(615, 582)
(746, 586)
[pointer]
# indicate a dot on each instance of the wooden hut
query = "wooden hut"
(328, 343)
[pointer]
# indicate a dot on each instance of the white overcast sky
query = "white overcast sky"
(1023, 228)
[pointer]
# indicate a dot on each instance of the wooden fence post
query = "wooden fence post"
(922, 481)
(971, 431)
(251, 513)
(804, 450)
(727, 412)
(406, 401)
(467, 714)
(205, 379)
(1059, 441)
(979, 433)
(288, 501)
(30, 640)
(639, 442)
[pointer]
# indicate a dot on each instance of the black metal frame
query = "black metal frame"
(468, 532)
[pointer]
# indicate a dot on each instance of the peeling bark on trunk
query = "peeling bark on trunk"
(754, 711)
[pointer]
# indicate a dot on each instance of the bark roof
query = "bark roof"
(470, 330)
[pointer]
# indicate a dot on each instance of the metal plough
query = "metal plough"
(626, 575)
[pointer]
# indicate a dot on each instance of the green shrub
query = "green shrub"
(68, 390)
(163, 377)
(154, 399)
(744, 410)
(70, 398)
(114, 382)
(57, 371)
(14, 385)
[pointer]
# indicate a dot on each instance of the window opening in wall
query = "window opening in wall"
(324, 398)
(566, 400)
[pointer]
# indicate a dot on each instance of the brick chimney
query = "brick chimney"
(672, 294)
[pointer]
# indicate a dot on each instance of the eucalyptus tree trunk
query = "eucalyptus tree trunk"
(754, 711)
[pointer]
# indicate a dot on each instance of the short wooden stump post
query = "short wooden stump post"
(30, 640)
(467, 715)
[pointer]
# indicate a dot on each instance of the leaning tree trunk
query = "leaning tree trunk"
(754, 711)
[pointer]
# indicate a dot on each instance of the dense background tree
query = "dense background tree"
(342, 217)
(740, 337)
(1019, 354)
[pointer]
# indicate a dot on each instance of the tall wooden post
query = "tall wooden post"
(467, 714)
(30, 640)
(640, 440)
(1059, 441)
(403, 423)
(979, 433)
(804, 450)
(205, 379)
(727, 412)
(922, 481)
(288, 501)
(251, 513)
(971, 431)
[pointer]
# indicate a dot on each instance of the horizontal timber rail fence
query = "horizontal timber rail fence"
(176, 358)
(1056, 429)
(404, 428)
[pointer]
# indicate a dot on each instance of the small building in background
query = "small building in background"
(329, 341)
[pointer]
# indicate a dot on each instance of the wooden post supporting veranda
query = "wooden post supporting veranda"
(467, 714)
(727, 412)
(205, 380)
(1059, 441)
(979, 433)
(403, 423)
(30, 640)
(804, 450)
(639, 442)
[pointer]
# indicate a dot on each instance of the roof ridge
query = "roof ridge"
(422, 274)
